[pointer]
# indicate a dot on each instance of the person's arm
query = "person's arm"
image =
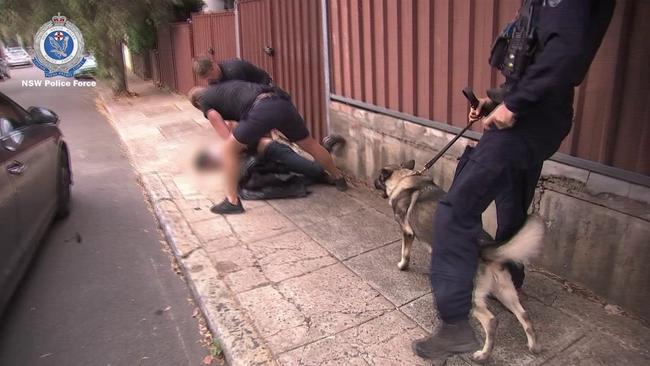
(218, 123)
(255, 74)
(565, 42)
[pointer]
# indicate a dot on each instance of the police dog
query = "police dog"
(414, 199)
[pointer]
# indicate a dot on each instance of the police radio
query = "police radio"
(515, 47)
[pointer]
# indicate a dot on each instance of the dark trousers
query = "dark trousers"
(293, 162)
(501, 168)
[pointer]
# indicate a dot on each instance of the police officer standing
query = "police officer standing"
(543, 54)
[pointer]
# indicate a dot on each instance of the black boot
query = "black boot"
(448, 340)
(331, 141)
(341, 184)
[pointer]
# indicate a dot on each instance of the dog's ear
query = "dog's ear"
(385, 173)
(410, 165)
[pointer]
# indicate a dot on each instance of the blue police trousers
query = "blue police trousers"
(501, 168)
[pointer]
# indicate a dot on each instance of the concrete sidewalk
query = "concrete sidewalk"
(314, 281)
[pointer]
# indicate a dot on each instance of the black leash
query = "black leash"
(473, 101)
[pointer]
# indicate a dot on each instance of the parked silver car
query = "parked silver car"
(17, 56)
(35, 183)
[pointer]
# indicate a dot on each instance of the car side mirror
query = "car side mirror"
(42, 115)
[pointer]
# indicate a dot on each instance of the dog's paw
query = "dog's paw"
(439, 362)
(535, 348)
(403, 265)
(480, 357)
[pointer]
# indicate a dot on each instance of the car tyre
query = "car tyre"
(63, 189)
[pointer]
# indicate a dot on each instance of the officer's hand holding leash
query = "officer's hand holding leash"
(476, 113)
(501, 117)
(484, 104)
(492, 114)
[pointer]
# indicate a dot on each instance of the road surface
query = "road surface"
(101, 290)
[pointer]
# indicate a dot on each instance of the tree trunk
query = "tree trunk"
(119, 70)
(116, 67)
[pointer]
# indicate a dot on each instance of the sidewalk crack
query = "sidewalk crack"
(562, 350)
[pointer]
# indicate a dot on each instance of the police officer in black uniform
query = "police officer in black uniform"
(227, 70)
(543, 54)
(258, 109)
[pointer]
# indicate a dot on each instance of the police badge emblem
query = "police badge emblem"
(59, 47)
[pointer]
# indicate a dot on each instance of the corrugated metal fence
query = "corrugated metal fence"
(255, 33)
(299, 64)
(285, 38)
(182, 44)
(214, 35)
(172, 60)
(414, 56)
(166, 57)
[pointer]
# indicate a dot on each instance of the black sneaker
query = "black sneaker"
(331, 141)
(447, 341)
(341, 184)
(227, 208)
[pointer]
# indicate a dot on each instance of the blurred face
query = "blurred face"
(208, 159)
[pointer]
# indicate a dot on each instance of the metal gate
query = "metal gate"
(255, 33)
(214, 35)
(181, 35)
(285, 38)
(166, 57)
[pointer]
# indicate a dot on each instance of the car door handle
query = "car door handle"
(16, 168)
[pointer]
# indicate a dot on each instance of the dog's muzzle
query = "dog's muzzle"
(379, 185)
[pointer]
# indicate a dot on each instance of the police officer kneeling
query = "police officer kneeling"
(543, 54)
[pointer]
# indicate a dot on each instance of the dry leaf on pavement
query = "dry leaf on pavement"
(207, 360)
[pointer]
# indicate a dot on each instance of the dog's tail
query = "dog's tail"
(525, 245)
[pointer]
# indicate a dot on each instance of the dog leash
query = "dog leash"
(473, 102)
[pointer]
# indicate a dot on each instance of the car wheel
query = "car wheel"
(63, 186)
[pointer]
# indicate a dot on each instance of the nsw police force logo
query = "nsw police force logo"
(59, 47)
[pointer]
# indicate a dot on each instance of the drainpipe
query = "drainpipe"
(237, 33)
(326, 63)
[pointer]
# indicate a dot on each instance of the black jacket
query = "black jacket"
(238, 69)
(569, 34)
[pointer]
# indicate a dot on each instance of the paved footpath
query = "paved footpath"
(314, 281)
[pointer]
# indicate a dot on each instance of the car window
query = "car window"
(6, 127)
(12, 113)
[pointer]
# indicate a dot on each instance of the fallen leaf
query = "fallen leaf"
(613, 309)
(207, 360)
(196, 312)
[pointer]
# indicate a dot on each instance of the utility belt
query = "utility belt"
(515, 48)
(274, 93)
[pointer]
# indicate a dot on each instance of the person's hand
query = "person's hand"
(501, 117)
(231, 124)
(475, 114)
(219, 125)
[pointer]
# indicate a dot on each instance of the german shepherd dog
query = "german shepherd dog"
(414, 199)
